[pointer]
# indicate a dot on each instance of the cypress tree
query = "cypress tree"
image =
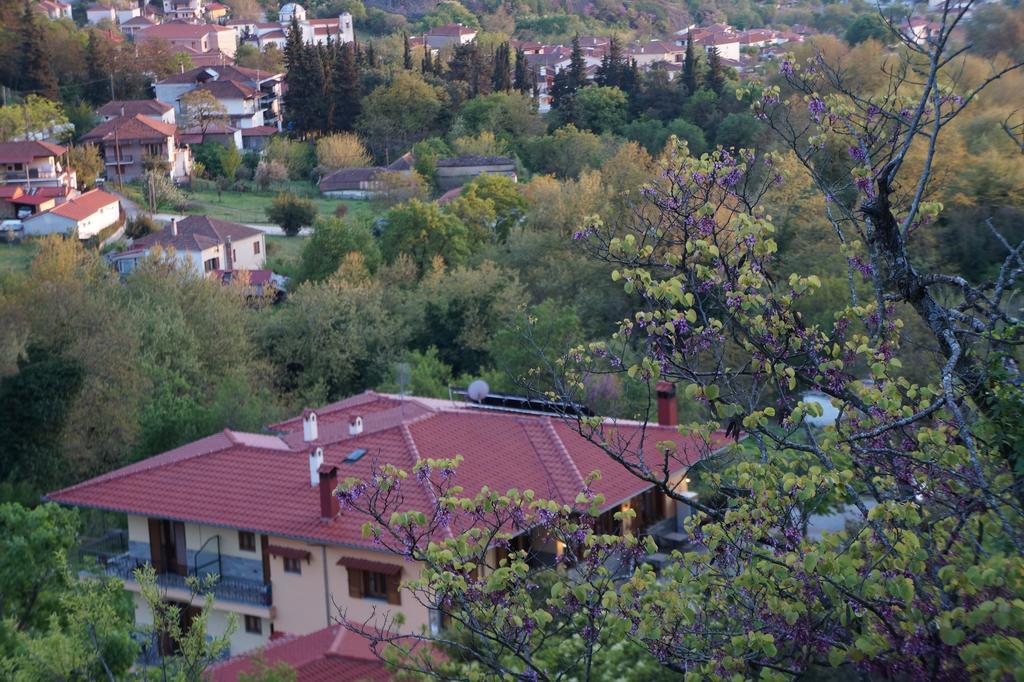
(613, 66)
(371, 56)
(406, 53)
(715, 78)
(690, 66)
(427, 65)
(345, 89)
(36, 69)
(521, 81)
(501, 80)
(577, 67)
(97, 77)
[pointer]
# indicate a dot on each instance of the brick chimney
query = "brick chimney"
(328, 482)
(666, 404)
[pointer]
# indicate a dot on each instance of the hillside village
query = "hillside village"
(510, 341)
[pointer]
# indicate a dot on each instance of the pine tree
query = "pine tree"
(406, 53)
(501, 79)
(690, 66)
(293, 45)
(36, 68)
(521, 81)
(715, 78)
(371, 56)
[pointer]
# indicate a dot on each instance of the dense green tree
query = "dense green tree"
(565, 153)
(612, 71)
(422, 232)
(427, 375)
(99, 56)
(533, 344)
(400, 113)
(291, 213)
(737, 131)
(869, 27)
(602, 109)
(36, 68)
(332, 240)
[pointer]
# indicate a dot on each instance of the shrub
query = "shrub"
(270, 172)
(292, 213)
(139, 225)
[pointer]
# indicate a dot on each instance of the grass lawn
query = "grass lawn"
(250, 207)
(284, 254)
(14, 257)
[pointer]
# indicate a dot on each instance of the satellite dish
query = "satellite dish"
(478, 390)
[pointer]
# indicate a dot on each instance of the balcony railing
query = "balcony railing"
(111, 554)
(32, 175)
(122, 161)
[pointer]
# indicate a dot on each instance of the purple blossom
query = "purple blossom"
(787, 69)
(817, 107)
(857, 153)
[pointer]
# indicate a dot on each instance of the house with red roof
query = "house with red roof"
(200, 38)
(252, 98)
(19, 202)
(35, 164)
(84, 216)
(259, 511)
(97, 12)
(129, 143)
(449, 34)
(207, 244)
(131, 26)
(54, 9)
(154, 109)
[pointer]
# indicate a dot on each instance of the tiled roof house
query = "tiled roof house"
(260, 508)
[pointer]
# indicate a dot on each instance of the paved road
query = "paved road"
(132, 209)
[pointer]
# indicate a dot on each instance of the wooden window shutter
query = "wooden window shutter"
(156, 545)
(393, 582)
(355, 583)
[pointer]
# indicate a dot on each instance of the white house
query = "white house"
(124, 15)
(150, 108)
(96, 13)
(85, 216)
(207, 244)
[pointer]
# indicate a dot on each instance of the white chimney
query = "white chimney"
(355, 427)
(310, 432)
(316, 458)
(174, 227)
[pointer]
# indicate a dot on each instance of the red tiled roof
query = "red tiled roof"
(228, 89)
(204, 482)
(11, 191)
(197, 232)
(23, 152)
(178, 30)
(138, 21)
(83, 206)
(334, 654)
(146, 107)
(130, 128)
(348, 178)
(451, 30)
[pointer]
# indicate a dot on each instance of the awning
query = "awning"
(288, 552)
(371, 566)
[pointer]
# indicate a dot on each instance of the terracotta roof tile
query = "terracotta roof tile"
(22, 152)
(235, 481)
(83, 206)
(130, 128)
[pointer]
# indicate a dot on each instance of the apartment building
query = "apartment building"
(258, 509)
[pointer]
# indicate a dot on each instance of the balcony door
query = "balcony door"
(167, 546)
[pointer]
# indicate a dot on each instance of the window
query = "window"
(256, 247)
(212, 264)
(375, 585)
(246, 541)
(234, 255)
(254, 625)
(292, 565)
